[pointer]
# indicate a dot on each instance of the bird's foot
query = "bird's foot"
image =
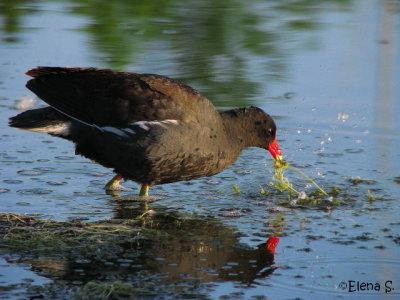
(113, 184)
(150, 212)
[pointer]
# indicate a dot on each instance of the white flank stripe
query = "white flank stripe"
(114, 130)
(129, 130)
(141, 124)
(145, 125)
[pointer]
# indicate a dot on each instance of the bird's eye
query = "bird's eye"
(270, 131)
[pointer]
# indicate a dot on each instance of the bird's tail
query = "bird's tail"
(45, 120)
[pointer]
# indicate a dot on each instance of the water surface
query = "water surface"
(327, 71)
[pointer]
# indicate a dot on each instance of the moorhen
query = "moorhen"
(149, 128)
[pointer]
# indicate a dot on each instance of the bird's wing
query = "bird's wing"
(105, 97)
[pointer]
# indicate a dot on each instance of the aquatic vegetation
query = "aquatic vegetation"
(282, 184)
(112, 290)
(128, 258)
(371, 198)
(358, 180)
(236, 188)
(263, 191)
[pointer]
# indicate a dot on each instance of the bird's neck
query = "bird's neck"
(237, 130)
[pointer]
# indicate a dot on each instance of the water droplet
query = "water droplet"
(302, 195)
(342, 117)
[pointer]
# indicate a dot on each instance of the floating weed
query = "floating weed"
(371, 198)
(111, 290)
(309, 179)
(263, 192)
(282, 184)
(236, 188)
(357, 180)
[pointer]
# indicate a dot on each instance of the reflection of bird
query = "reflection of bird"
(250, 264)
(149, 128)
(200, 248)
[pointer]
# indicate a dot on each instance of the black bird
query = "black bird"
(149, 128)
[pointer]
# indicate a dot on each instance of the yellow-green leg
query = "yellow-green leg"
(144, 190)
(113, 184)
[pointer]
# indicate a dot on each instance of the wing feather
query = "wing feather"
(105, 97)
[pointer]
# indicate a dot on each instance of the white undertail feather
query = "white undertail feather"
(61, 129)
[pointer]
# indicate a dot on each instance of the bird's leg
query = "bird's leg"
(144, 190)
(113, 184)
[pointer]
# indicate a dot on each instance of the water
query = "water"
(328, 73)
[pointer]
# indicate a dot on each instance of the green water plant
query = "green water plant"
(281, 183)
(236, 188)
